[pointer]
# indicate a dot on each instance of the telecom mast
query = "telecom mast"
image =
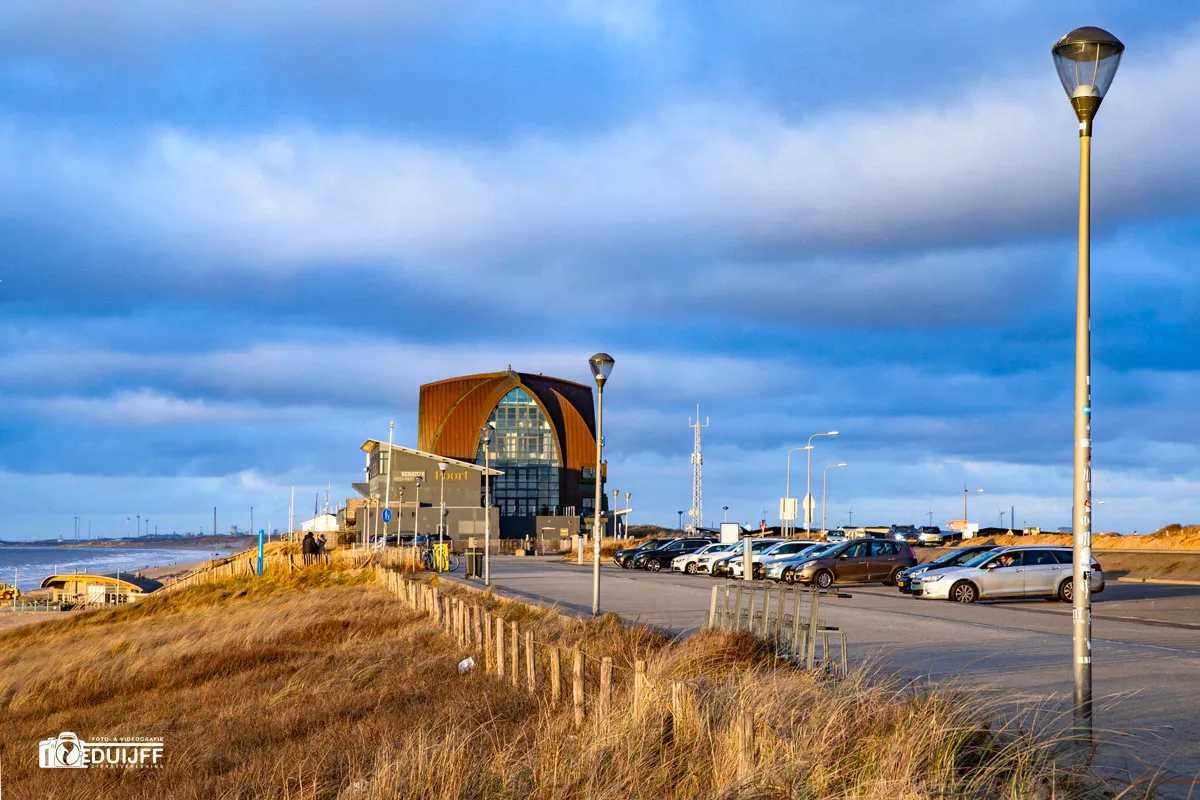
(696, 515)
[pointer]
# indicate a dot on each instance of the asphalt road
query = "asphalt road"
(1146, 647)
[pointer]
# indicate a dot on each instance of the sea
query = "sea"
(29, 565)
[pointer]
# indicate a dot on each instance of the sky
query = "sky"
(237, 235)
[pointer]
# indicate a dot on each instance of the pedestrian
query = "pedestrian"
(321, 548)
(308, 548)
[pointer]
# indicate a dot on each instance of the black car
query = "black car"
(660, 558)
(624, 558)
(954, 558)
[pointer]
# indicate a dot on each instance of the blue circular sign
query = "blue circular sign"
(387, 515)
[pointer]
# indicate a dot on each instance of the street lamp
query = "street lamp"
(824, 486)
(615, 517)
(725, 513)
(601, 365)
(442, 519)
(387, 489)
(1087, 60)
(967, 491)
(784, 527)
(418, 480)
(627, 508)
(680, 513)
(808, 490)
(486, 433)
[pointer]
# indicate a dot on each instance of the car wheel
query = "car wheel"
(894, 578)
(824, 579)
(1066, 590)
(654, 565)
(789, 576)
(690, 569)
(964, 592)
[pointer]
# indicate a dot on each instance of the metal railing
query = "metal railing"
(787, 618)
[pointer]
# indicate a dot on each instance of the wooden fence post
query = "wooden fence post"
(530, 675)
(515, 635)
(677, 695)
(639, 683)
(577, 688)
(745, 744)
(712, 608)
(555, 676)
(500, 647)
(605, 704)
(487, 643)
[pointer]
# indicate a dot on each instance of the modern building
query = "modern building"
(543, 449)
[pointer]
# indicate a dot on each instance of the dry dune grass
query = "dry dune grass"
(320, 685)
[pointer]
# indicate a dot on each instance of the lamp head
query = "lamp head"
(442, 465)
(1087, 60)
(418, 481)
(486, 433)
(601, 364)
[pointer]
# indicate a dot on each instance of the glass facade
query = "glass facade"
(524, 448)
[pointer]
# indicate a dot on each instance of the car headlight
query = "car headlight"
(932, 578)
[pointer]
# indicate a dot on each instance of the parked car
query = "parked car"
(858, 561)
(903, 533)
(910, 579)
(705, 562)
(724, 565)
(782, 549)
(783, 569)
(690, 562)
(836, 535)
(655, 559)
(1021, 571)
(933, 535)
(624, 557)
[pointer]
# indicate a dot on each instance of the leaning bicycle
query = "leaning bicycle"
(439, 558)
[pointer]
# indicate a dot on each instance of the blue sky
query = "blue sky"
(236, 236)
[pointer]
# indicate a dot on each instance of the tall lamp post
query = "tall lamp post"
(1087, 60)
(442, 519)
(486, 433)
(808, 490)
(616, 530)
(601, 364)
(784, 526)
(416, 520)
(824, 486)
(966, 492)
(725, 514)
(387, 489)
(680, 513)
(627, 507)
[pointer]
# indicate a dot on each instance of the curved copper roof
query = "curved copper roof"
(452, 412)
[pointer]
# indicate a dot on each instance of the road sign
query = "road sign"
(787, 508)
(808, 508)
(387, 515)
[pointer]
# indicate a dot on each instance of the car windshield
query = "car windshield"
(953, 557)
(978, 558)
(759, 547)
(816, 551)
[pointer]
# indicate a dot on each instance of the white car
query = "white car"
(724, 563)
(1022, 571)
(690, 563)
(704, 562)
(784, 549)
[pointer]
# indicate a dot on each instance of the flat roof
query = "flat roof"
(371, 445)
(128, 580)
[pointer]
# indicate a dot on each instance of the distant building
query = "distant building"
(99, 589)
(322, 523)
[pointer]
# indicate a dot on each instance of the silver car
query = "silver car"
(784, 569)
(1022, 571)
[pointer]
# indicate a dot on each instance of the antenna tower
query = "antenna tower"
(696, 515)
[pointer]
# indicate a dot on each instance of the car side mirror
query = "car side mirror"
(992, 565)
(843, 555)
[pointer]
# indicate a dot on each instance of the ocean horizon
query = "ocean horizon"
(29, 565)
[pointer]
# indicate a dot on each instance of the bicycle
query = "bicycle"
(427, 559)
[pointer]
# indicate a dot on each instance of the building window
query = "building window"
(524, 448)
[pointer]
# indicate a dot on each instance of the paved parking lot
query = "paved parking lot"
(1146, 644)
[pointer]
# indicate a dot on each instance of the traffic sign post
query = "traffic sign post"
(387, 515)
